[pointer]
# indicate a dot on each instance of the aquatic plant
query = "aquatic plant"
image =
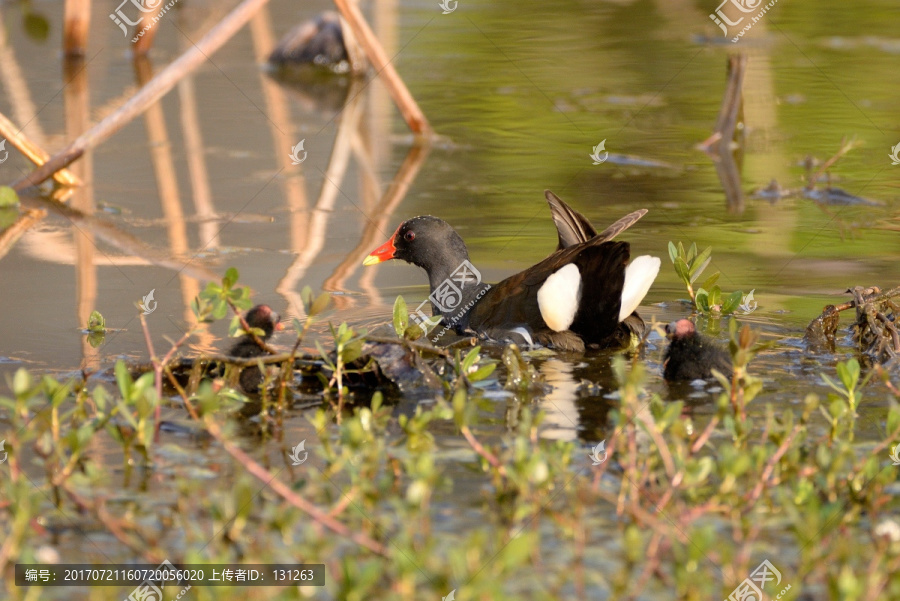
(683, 504)
(708, 298)
(96, 329)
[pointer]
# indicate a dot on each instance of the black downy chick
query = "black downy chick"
(264, 318)
(692, 356)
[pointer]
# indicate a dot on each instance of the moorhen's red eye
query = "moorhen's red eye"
(409, 236)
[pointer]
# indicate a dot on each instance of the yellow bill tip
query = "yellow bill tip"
(371, 260)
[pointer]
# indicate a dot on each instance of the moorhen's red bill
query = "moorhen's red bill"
(578, 295)
(264, 318)
(692, 356)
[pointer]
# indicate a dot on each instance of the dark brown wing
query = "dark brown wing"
(574, 228)
(513, 302)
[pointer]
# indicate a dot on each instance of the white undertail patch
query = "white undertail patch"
(559, 297)
(639, 276)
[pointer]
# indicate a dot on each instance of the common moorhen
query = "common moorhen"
(264, 318)
(574, 228)
(319, 41)
(578, 295)
(692, 356)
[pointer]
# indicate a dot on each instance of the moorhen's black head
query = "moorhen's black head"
(264, 318)
(426, 241)
(680, 329)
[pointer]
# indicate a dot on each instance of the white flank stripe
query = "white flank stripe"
(639, 276)
(558, 298)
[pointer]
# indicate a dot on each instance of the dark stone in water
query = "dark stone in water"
(401, 366)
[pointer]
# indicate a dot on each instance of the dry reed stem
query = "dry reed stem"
(164, 81)
(76, 25)
(33, 152)
(411, 112)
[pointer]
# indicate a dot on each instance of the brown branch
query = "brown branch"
(483, 452)
(411, 112)
(770, 466)
(246, 327)
(846, 146)
(33, 152)
(704, 436)
(409, 344)
(345, 501)
(285, 492)
(113, 525)
(269, 479)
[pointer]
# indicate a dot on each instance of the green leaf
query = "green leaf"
(241, 298)
(401, 316)
(833, 384)
(306, 298)
(672, 413)
(732, 302)
(326, 356)
(673, 252)
(700, 263)
(195, 309)
(459, 406)
(8, 216)
(517, 552)
(298, 326)
(681, 268)
(633, 544)
(848, 372)
(725, 382)
(123, 379)
(711, 281)
(715, 297)
(837, 408)
(219, 309)
(701, 298)
(352, 351)
(231, 277)
(8, 197)
(21, 382)
(893, 420)
(95, 339)
(319, 305)
(96, 323)
(471, 358)
(234, 328)
(692, 252)
(482, 372)
(417, 332)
